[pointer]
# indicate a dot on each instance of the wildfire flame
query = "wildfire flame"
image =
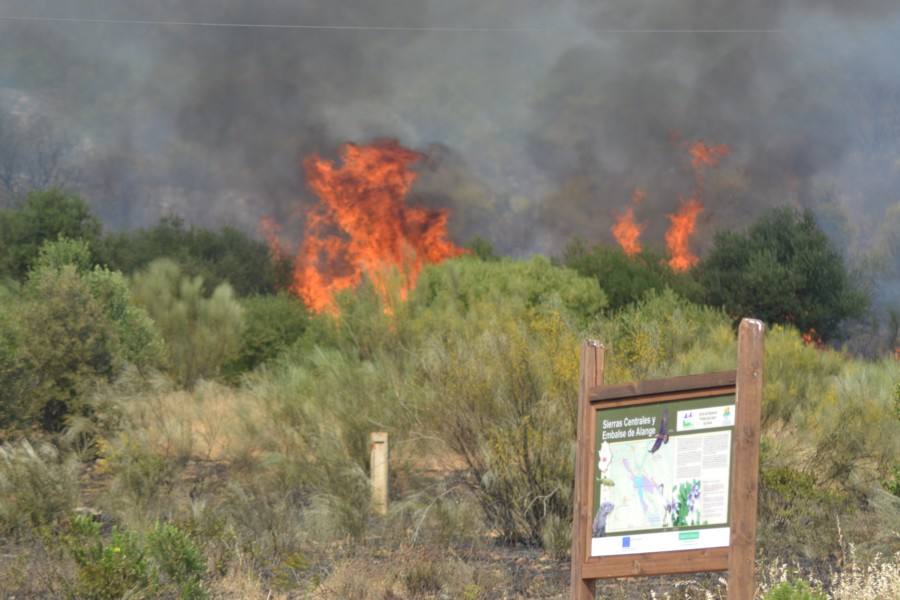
(679, 234)
(363, 227)
(626, 231)
(703, 156)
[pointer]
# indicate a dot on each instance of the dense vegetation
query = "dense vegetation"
(171, 430)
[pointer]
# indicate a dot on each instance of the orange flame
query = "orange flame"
(364, 227)
(626, 230)
(705, 156)
(812, 338)
(679, 234)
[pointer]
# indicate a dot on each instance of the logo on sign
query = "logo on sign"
(626, 542)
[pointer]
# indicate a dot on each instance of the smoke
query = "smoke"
(539, 118)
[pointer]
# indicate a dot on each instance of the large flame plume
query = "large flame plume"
(363, 227)
(626, 230)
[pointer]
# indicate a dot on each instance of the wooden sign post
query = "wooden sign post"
(666, 472)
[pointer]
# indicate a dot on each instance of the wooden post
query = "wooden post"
(378, 464)
(591, 376)
(745, 479)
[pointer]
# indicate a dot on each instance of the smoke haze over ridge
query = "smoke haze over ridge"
(538, 118)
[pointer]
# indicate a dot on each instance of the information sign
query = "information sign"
(667, 472)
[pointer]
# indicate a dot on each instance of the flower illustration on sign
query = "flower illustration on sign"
(604, 459)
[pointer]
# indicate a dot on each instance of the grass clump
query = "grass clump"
(38, 486)
(794, 590)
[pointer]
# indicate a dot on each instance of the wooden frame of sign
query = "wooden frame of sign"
(703, 411)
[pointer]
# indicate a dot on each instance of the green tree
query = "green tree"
(42, 216)
(226, 255)
(625, 278)
(782, 270)
(202, 333)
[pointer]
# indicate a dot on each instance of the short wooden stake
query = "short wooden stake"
(378, 464)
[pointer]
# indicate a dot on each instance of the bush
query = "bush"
(68, 345)
(798, 514)
(782, 270)
(71, 328)
(271, 325)
(37, 486)
(179, 560)
(163, 563)
(664, 335)
(460, 284)
(794, 590)
(201, 333)
(512, 413)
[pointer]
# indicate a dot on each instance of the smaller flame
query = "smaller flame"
(704, 156)
(811, 338)
(679, 234)
(626, 230)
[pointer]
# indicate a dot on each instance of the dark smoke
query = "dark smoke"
(538, 124)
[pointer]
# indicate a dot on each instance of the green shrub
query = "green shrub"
(271, 325)
(512, 412)
(798, 513)
(460, 284)
(68, 345)
(794, 590)
(37, 486)
(164, 563)
(107, 570)
(663, 335)
(201, 333)
(178, 559)
(71, 328)
(627, 279)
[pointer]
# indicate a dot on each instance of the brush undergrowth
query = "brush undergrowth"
(263, 483)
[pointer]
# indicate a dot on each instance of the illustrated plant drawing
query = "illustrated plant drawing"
(683, 509)
(238, 238)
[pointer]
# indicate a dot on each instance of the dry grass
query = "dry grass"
(877, 579)
(211, 423)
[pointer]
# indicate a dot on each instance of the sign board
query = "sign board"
(667, 471)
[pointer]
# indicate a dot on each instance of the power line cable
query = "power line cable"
(336, 27)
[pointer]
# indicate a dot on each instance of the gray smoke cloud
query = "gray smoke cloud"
(538, 118)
